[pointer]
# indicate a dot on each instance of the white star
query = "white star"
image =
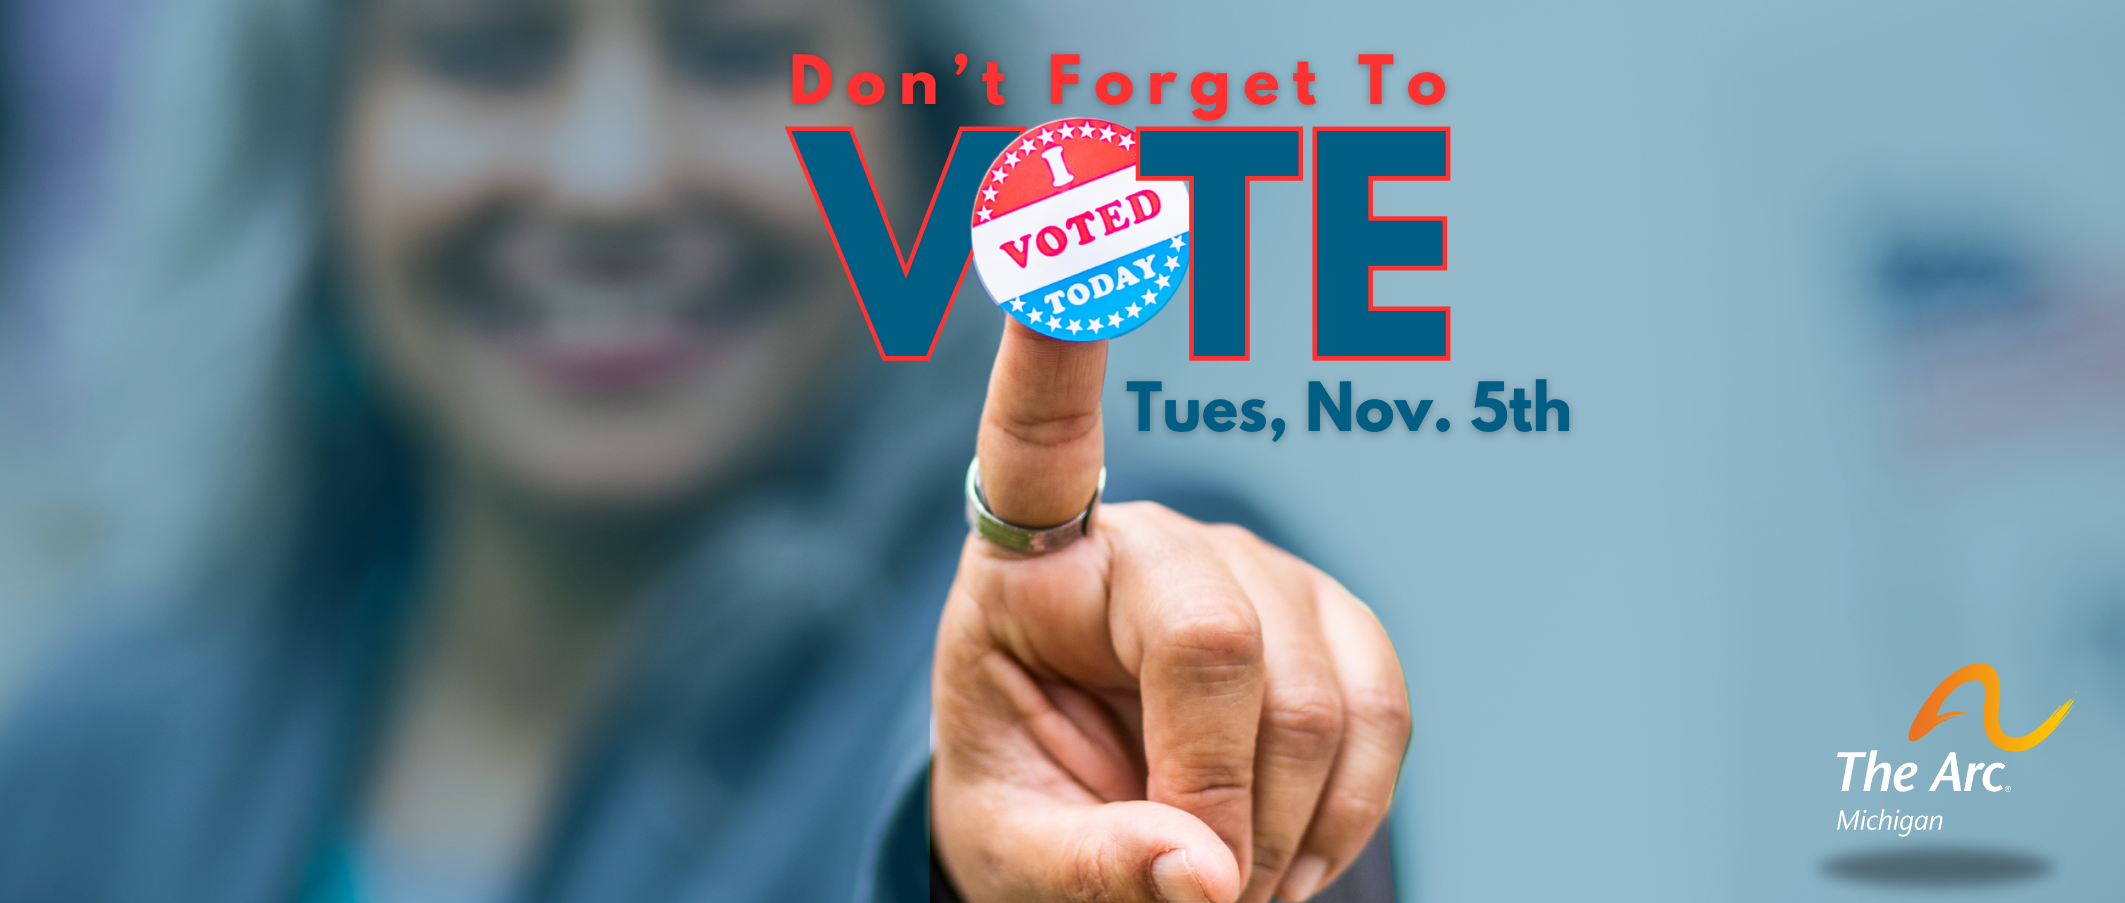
(1163, 281)
(1172, 262)
(1114, 319)
(1075, 328)
(1083, 129)
(1010, 159)
(985, 214)
(1178, 240)
(1047, 136)
(996, 176)
(1150, 297)
(1018, 303)
(1106, 134)
(988, 194)
(1134, 311)
(1026, 145)
(1128, 142)
(1096, 326)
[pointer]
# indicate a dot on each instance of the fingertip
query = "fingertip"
(1015, 331)
(1176, 854)
(1303, 879)
(1175, 880)
(1207, 877)
(1049, 360)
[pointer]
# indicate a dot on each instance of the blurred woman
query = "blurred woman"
(470, 390)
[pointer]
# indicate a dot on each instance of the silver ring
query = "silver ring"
(1026, 539)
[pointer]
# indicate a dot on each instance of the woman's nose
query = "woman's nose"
(606, 155)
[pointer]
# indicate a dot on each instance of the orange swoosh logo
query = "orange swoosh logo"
(1930, 715)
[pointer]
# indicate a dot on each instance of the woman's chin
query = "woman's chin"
(615, 476)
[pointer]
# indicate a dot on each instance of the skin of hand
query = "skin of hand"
(1164, 710)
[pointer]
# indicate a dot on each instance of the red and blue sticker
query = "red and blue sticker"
(1069, 241)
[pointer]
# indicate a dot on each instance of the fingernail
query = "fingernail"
(1303, 878)
(1176, 882)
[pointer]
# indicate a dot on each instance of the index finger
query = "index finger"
(1185, 625)
(1040, 444)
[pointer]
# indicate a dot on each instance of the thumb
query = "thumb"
(1041, 446)
(1128, 851)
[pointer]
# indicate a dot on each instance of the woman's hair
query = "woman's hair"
(175, 338)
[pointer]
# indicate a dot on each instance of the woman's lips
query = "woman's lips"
(637, 358)
(608, 309)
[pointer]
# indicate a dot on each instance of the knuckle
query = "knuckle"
(1090, 872)
(1354, 808)
(1381, 707)
(1205, 786)
(1239, 542)
(1216, 635)
(1048, 431)
(1157, 510)
(1308, 720)
(1271, 856)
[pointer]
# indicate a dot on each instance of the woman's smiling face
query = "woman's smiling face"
(583, 248)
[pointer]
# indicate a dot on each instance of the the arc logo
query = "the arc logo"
(1930, 716)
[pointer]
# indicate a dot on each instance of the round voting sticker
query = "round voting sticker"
(1067, 239)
